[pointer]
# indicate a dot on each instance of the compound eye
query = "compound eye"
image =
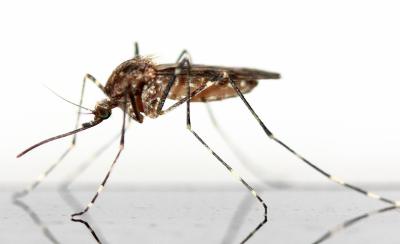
(105, 114)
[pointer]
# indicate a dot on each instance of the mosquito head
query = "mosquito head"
(102, 110)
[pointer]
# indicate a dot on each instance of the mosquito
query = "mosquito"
(140, 87)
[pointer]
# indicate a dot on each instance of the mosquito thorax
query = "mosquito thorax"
(131, 75)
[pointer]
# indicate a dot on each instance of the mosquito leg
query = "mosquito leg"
(103, 183)
(138, 115)
(203, 86)
(94, 81)
(185, 54)
(71, 200)
(227, 166)
(137, 50)
(84, 165)
(42, 176)
(315, 167)
(245, 204)
(183, 59)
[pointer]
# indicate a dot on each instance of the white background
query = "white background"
(337, 102)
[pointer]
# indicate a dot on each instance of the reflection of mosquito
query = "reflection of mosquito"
(36, 219)
(346, 224)
(69, 199)
(243, 210)
(47, 233)
(65, 192)
(140, 87)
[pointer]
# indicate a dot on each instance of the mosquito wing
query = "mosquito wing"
(210, 72)
(246, 79)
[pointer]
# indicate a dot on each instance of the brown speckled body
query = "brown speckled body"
(147, 82)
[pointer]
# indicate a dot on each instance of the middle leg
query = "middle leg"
(226, 165)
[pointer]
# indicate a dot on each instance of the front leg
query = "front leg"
(104, 181)
(42, 176)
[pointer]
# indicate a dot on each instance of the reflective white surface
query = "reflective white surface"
(198, 216)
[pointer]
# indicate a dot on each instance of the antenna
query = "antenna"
(80, 106)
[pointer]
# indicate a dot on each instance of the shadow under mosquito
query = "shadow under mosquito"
(237, 221)
(253, 168)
